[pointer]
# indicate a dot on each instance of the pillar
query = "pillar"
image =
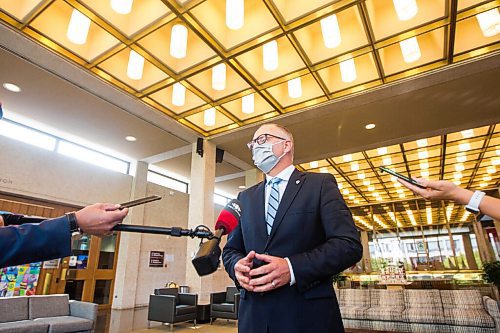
(253, 177)
(367, 264)
(201, 211)
(469, 253)
(127, 266)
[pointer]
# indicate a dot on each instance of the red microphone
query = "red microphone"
(206, 260)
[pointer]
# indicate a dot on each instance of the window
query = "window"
(92, 157)
(166, 181)
(27, 135)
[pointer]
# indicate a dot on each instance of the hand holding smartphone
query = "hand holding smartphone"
(408, 179)
(137, 202)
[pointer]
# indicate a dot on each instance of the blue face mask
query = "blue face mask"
(264, 158)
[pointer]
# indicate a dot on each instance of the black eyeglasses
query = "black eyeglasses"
(261, 139)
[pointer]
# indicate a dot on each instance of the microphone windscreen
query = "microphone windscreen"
(229, 217)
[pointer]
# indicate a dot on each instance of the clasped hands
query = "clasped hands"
(274, 274)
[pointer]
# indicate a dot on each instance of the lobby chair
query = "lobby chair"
(225, 304)
(167, 305)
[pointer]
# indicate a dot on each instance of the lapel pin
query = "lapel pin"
(297, 182)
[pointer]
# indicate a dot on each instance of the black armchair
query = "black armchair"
(225, 304)
(167, 305)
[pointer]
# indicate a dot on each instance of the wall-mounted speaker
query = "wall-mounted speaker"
(219, 155)
(199, 146)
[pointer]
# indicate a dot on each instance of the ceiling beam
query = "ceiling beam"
(230, 177)
(168, 154)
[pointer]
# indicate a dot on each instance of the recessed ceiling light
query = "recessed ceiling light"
(242, 187)
(370, 126)
(130, 138)
(11, 87)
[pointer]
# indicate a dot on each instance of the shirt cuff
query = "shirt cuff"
(292, 276)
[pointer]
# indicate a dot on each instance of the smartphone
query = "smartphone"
(139, 201)
(408, 179)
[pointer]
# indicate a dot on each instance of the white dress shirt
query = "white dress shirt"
(284, 175)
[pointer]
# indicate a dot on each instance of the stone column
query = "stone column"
(253, 177)
(367, 264)
(469, 253)
(127, 267)
(201, 211)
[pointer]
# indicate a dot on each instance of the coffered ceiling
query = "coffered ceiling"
(223, 73)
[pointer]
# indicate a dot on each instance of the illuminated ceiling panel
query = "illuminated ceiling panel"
(314, 40)
(469, 158)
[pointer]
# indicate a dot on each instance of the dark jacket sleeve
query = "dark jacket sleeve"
(33, 242)
(234, 250)
(342, 248)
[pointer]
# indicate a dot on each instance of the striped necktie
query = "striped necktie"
(273, 203)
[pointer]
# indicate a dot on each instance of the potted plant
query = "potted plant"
(492, 273)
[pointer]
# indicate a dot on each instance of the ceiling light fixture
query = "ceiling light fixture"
(457, 175)
(361, 175)
(209, 117)
(130, 138)
(348, 70)
(78, 28)
(323, 170)
(135, 65)
(382, 150)
(122, 6)
(424, 165)
(235, 14)
(422, 155)
(370, 126)
(467, 133)
(422, 143)
(295, 88)
(270, 56)
(313, 164)
(495, 161)
(483, 184)
(330, 31)
(178, 94)
(464, 146)
(219, 77)
(410, 49)
(345, 191)
(457, 182)
(347, 158)
(489, 22)
(461, 157)
(354, 166)
(11, 87)
(387, 160)
(405, 9)
(178, 41)
(248, 104)
(486, 178)
(491, 169)
(371, 188)
(366, 182)
(242, 187)
(424, 173)
(459, 167)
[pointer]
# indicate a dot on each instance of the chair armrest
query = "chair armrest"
(84, 310)
(217, 298)
(188, 299)
(161, 308)
(492, 309)
(236, 303)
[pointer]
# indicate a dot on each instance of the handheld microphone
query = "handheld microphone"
(206, 259)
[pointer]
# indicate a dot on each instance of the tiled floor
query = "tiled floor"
(135, 320)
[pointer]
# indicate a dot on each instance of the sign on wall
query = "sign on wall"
(156, 258)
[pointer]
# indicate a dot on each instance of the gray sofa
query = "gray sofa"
(46, 313)
(425, 311)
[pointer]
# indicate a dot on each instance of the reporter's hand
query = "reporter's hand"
(276, 273)
(439, 190)
(98, 219)
(1, 221)
(242, 270)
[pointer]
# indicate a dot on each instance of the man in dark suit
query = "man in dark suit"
(295, 233)
(50, 239)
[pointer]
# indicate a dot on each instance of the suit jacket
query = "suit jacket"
(34, 242)
(314, 228)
